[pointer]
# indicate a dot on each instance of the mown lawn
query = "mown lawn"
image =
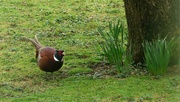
(85, 77)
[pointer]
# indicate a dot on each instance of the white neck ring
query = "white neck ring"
(55, 58)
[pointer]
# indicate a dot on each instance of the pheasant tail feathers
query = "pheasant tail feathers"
(34, 41)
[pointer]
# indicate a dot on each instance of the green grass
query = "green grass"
(70, 25)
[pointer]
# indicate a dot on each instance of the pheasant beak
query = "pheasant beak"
(63, 54)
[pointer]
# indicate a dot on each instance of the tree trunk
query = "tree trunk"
(151, 19)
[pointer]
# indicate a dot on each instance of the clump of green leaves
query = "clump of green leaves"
(158, 54)
(114, 48)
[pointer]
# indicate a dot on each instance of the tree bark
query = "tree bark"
(151, 19)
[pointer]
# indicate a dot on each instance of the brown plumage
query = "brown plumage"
(48, 58)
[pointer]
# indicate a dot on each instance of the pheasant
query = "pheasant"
(48, 59)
